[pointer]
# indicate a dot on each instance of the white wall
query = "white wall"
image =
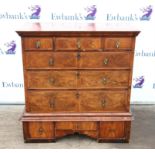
(111, 13)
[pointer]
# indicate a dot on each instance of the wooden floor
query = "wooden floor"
(142, 135)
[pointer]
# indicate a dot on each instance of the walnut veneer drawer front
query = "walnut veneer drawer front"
(51, 79)
(110, 101)
(50, 60)
(38, 43)
(74, 101)
(72, 43)
(73, 60)
(76, 126)
(39, 130)
(114, 130)
(123, 43)
(105, 60)
(103, 79)
(52, 101)
(77, 79)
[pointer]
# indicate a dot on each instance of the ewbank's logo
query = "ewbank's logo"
(35, 9)
(91, 12)
(31, 12)
(139, 81)
(147, 11)
(87, 13)
(144, 15)
(9, 48)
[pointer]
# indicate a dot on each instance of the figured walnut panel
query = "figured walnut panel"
(40, 130)
(90, 44)
(52, 101)
(66, 43)
(42, 60)
(76, 126)
(38, 43)
(51, 79)
(103, 101)
(72, 43)
(103, 79)
(118, 43)
(107, 60)
(112, 130)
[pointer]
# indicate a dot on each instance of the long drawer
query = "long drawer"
(77, 101)
(83, 60)
(77, 79)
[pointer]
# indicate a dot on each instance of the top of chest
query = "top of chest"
(76, 29)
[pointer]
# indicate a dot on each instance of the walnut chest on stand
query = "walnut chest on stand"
(77, 82)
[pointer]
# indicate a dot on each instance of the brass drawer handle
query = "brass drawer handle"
(104, 80)
(51, 80)
(38, 44)
(117, 44)
(40, 131)
(77, 95)
(103, 103)
(105, 61)
(78, 44)
(78, 55)
(52, 103)
(51, 62)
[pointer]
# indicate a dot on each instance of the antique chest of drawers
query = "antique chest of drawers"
(77, 82)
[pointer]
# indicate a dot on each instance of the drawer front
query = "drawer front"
(107, 101)
(50, 60)
(118, 43)
(65, 125)
(52, 101)
(86, 44)
(38, 43)
(105, 60)
(103, 79)
(51, 79)
(112, 130)
(65, 43)
(89, 126)
(72, 43)
(40, 130)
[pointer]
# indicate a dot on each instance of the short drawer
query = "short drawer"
(112, 130)
(38, 130)
(37, 43)
(88, 126)
(123, 43)
(104, 101)
(73, 43)
(106, 60)
(65, 125)
(52, 101)
(42, 60)
(103, 79)
(51, 79)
